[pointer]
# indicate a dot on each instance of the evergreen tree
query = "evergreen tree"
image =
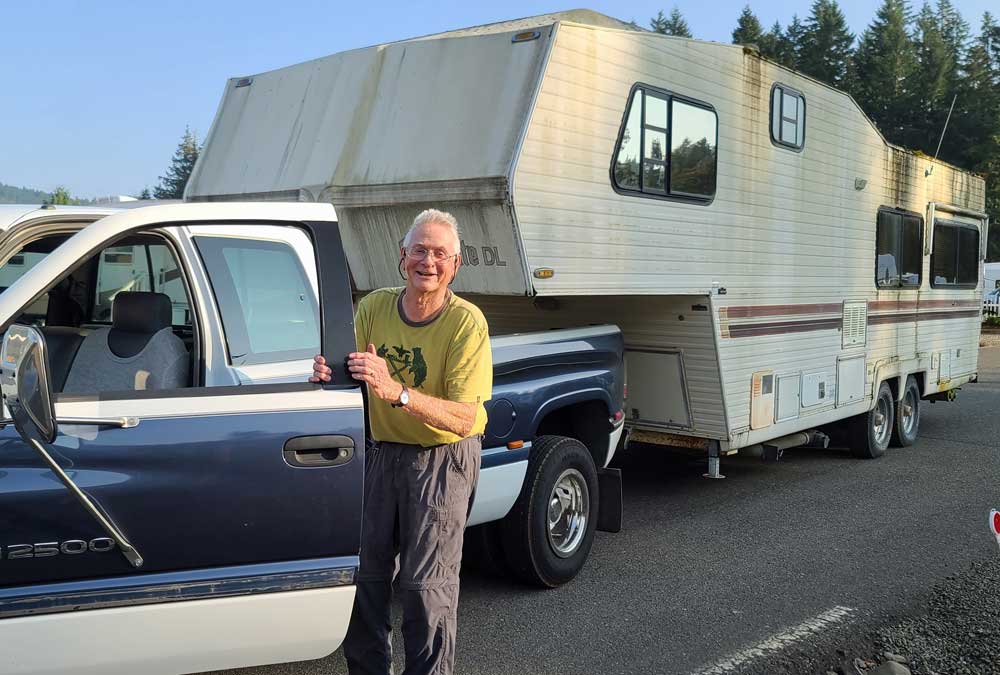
(954, 30)
(748, 30)
(145, 194)
(794, 41)
(883, 72)
(989, 40)
(658, 24)
(671, 25)
(825, 49)
(60, 196)
(936, 73)
(771, 43)
(172, 185)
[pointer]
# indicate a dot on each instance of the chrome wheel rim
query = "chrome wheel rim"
(908, 413)
(569, 511)
(880, 421)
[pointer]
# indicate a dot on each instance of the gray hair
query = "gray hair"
(434, 216)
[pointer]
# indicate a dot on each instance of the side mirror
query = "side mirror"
(25, 382)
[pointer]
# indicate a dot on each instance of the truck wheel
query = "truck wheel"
(549, 531)
(904, 432)
(870, 432)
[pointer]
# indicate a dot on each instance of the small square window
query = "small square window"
(788, 117)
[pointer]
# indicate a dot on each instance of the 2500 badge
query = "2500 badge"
(52, 548)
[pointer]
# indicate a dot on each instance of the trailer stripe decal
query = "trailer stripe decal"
(834, 323)
(758, 311)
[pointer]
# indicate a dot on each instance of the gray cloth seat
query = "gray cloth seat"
(138, 352)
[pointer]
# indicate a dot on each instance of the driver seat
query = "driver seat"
(138, 352)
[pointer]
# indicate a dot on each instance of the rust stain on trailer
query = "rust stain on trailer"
(664, 438)
(901, 170)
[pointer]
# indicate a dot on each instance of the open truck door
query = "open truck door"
(179, 529)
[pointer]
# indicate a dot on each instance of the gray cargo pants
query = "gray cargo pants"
(417, 501)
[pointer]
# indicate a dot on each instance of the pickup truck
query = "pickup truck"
(176, 497)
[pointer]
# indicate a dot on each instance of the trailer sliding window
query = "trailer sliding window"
(667, 147)
(955, 258)
(898, 249)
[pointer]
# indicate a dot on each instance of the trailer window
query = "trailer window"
(955, 258)
(667, 147)
(898, 249)
(788, 117)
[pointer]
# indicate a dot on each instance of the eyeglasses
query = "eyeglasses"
(438, 255)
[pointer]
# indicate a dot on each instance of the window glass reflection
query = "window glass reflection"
(692, 151)
(656, 112)
(627, 161)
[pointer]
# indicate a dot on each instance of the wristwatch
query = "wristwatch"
(404, 398)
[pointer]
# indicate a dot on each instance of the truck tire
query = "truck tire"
(870, 432)
(907, 426)
(549, 531)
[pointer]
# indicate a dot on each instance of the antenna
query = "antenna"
(930, 169)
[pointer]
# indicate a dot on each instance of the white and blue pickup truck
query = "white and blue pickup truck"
(175, 497)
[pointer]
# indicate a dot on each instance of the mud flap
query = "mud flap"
(609, 485)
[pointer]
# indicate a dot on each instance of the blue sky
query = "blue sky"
(96, 94)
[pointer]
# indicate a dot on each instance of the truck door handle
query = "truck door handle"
(318, 451)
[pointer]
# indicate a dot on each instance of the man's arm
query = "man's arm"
(452, 416)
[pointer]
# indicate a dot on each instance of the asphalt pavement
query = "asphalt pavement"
(791, 567)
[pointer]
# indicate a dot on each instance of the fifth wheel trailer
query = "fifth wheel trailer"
(775, 265)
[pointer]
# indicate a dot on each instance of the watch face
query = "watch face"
(404, 397)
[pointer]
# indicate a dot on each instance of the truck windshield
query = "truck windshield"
(15, 268)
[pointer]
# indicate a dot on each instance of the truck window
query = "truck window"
(955, 258)
(667, 147)
(268, 305)
(898, 249)
(140, 267)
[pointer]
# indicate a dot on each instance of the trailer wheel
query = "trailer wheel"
(549, 531)
(871, 431)
(904, 432)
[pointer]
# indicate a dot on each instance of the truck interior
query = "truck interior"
(128, 307)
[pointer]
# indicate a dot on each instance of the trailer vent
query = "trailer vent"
(855, 324)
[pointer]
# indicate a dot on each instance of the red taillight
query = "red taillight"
(619, 415)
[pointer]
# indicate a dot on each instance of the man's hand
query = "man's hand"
(371, 368)
(321, 371)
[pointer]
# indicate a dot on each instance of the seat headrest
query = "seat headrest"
(141, 312)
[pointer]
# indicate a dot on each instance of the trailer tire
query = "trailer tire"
(907, 426)
(549, 531)
(871, 431)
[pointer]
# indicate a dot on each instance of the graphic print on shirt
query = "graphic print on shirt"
(402, 361)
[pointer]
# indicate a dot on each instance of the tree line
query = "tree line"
(905, 70)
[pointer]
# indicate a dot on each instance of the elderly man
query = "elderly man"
(425, 356)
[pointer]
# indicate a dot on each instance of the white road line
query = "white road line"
(777, 642)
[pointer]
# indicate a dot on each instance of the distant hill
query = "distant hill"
(22, 195)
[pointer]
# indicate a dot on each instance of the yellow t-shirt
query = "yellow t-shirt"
(447, 358)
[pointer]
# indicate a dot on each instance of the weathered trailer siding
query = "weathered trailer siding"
(382, 133)
(659, 322)
(790, 235)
